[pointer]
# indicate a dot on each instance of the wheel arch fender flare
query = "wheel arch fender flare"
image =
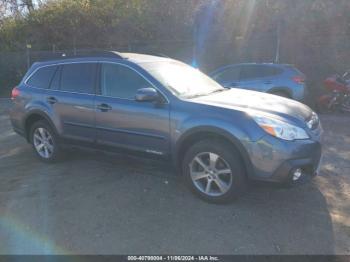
(214, 131)
(40, 114)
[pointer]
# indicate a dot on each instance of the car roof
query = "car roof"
(265, 64)
(143, 58)
(103, 56)
(250, 64)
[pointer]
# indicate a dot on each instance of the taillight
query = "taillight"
(299, 79)
(14, 93)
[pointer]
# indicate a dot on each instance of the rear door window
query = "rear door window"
(42, 77)
(79, 78)
(271, 71)
(258, 71)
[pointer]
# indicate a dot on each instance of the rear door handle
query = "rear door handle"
(267, 82)
(52, 100)
(104, 107)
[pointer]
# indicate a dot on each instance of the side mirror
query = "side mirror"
(148, 94)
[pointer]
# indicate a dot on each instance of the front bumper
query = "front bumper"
(309, 167)
(275, 160)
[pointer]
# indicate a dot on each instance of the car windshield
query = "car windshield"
(182, 80)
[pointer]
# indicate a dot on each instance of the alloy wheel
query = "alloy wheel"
(43, 142)
(211, 174)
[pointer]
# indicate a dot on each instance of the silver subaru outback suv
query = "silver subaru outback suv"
(218, 138)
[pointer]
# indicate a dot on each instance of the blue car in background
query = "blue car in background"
(279, 79)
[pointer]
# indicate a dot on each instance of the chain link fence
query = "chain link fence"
(316, 59)
(13, 65)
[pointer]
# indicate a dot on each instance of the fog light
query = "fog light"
(297, 174)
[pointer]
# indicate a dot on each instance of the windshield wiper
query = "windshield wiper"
(218, 90)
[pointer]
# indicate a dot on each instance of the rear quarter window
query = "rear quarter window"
(259, 71)
(42, 77)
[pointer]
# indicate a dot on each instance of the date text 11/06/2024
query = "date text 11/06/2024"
(173, 258)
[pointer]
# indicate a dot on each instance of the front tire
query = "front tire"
(214, 171)
(44, 142)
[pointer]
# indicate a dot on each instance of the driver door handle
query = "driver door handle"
(104, 107)
(51, 100)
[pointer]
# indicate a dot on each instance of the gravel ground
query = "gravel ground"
(103, 204)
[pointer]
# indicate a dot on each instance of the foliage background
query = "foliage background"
(314, 34)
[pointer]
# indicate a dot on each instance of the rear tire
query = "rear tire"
(44, 142)
(214, 171)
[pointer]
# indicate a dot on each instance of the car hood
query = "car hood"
(252, 101)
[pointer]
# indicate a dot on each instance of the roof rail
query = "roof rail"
(80, 54)
(97, 53)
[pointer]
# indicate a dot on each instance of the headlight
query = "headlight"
(313, 121)
(280, 129)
